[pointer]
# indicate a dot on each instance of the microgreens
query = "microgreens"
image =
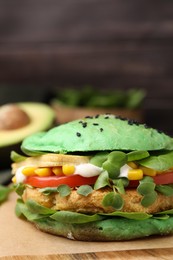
(84, 190)
(114, 162)
(147, 189)
(166, 190)
(102, 181)
(114, 200)
(64, 190)
(119, 184)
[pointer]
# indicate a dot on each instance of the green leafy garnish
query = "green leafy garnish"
(74, 217)
(147, 189)
(35, 207)
(137, 155)
(48, 190)
(21, 210)
(102, 181)
(16, 157)
(166, 190)
(129, 215)
(134, 98)
(149, 199)
(119, 184)
(114, 162)
(4, 192)
(160, 162)
(99, 158)
(161, 217)
(84, 190)
(88, 96)
(165, 212)
(64, 190)
(114, 200)
(19, 188)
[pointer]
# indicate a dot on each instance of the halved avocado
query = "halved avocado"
(41, 118)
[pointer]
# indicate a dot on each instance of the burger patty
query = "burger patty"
(93, 202)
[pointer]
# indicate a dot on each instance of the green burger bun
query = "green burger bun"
(114, 206)
(100, 133)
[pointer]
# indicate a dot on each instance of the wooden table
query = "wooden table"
(149, 254)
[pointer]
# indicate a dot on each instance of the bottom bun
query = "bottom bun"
(116, 229)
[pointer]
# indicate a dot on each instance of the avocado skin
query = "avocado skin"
(37, 112)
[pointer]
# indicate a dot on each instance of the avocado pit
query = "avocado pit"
(13, 117)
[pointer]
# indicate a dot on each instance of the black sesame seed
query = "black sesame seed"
(133, 122)
(88, 117)
(130, 122)
(121, 118)
(101, 129)
(97, 116)
(160, 131)
(106, 117)
(78, 134)
(95, 124)
(84, 124)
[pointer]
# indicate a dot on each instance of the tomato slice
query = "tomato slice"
(160, 179)
(54, 181)
(164, 178)
(78, 180)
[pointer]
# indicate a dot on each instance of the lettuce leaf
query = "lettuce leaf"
(35, 207)
(16, 157)
(160, 162)
(34, 211)
(21, 210)
(74, 217)
(4, 192)
(128, 215)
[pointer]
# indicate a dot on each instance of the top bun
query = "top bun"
(98, 133)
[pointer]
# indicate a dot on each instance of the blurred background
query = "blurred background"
(48, 46)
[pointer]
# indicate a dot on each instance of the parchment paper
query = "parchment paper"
(19, 237)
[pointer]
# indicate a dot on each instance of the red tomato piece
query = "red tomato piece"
(159, 179)
(164, 178)
(54, 181)
(77, 180)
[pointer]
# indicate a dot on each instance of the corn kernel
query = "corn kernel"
(136, 174)
(14, 179)
(29, 171)
(57, 170)
(148, 171)
(133, 165)
(68, 169)
(43, 172)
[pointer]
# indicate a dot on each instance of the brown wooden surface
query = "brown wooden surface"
(108, 44)
(150, 254)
